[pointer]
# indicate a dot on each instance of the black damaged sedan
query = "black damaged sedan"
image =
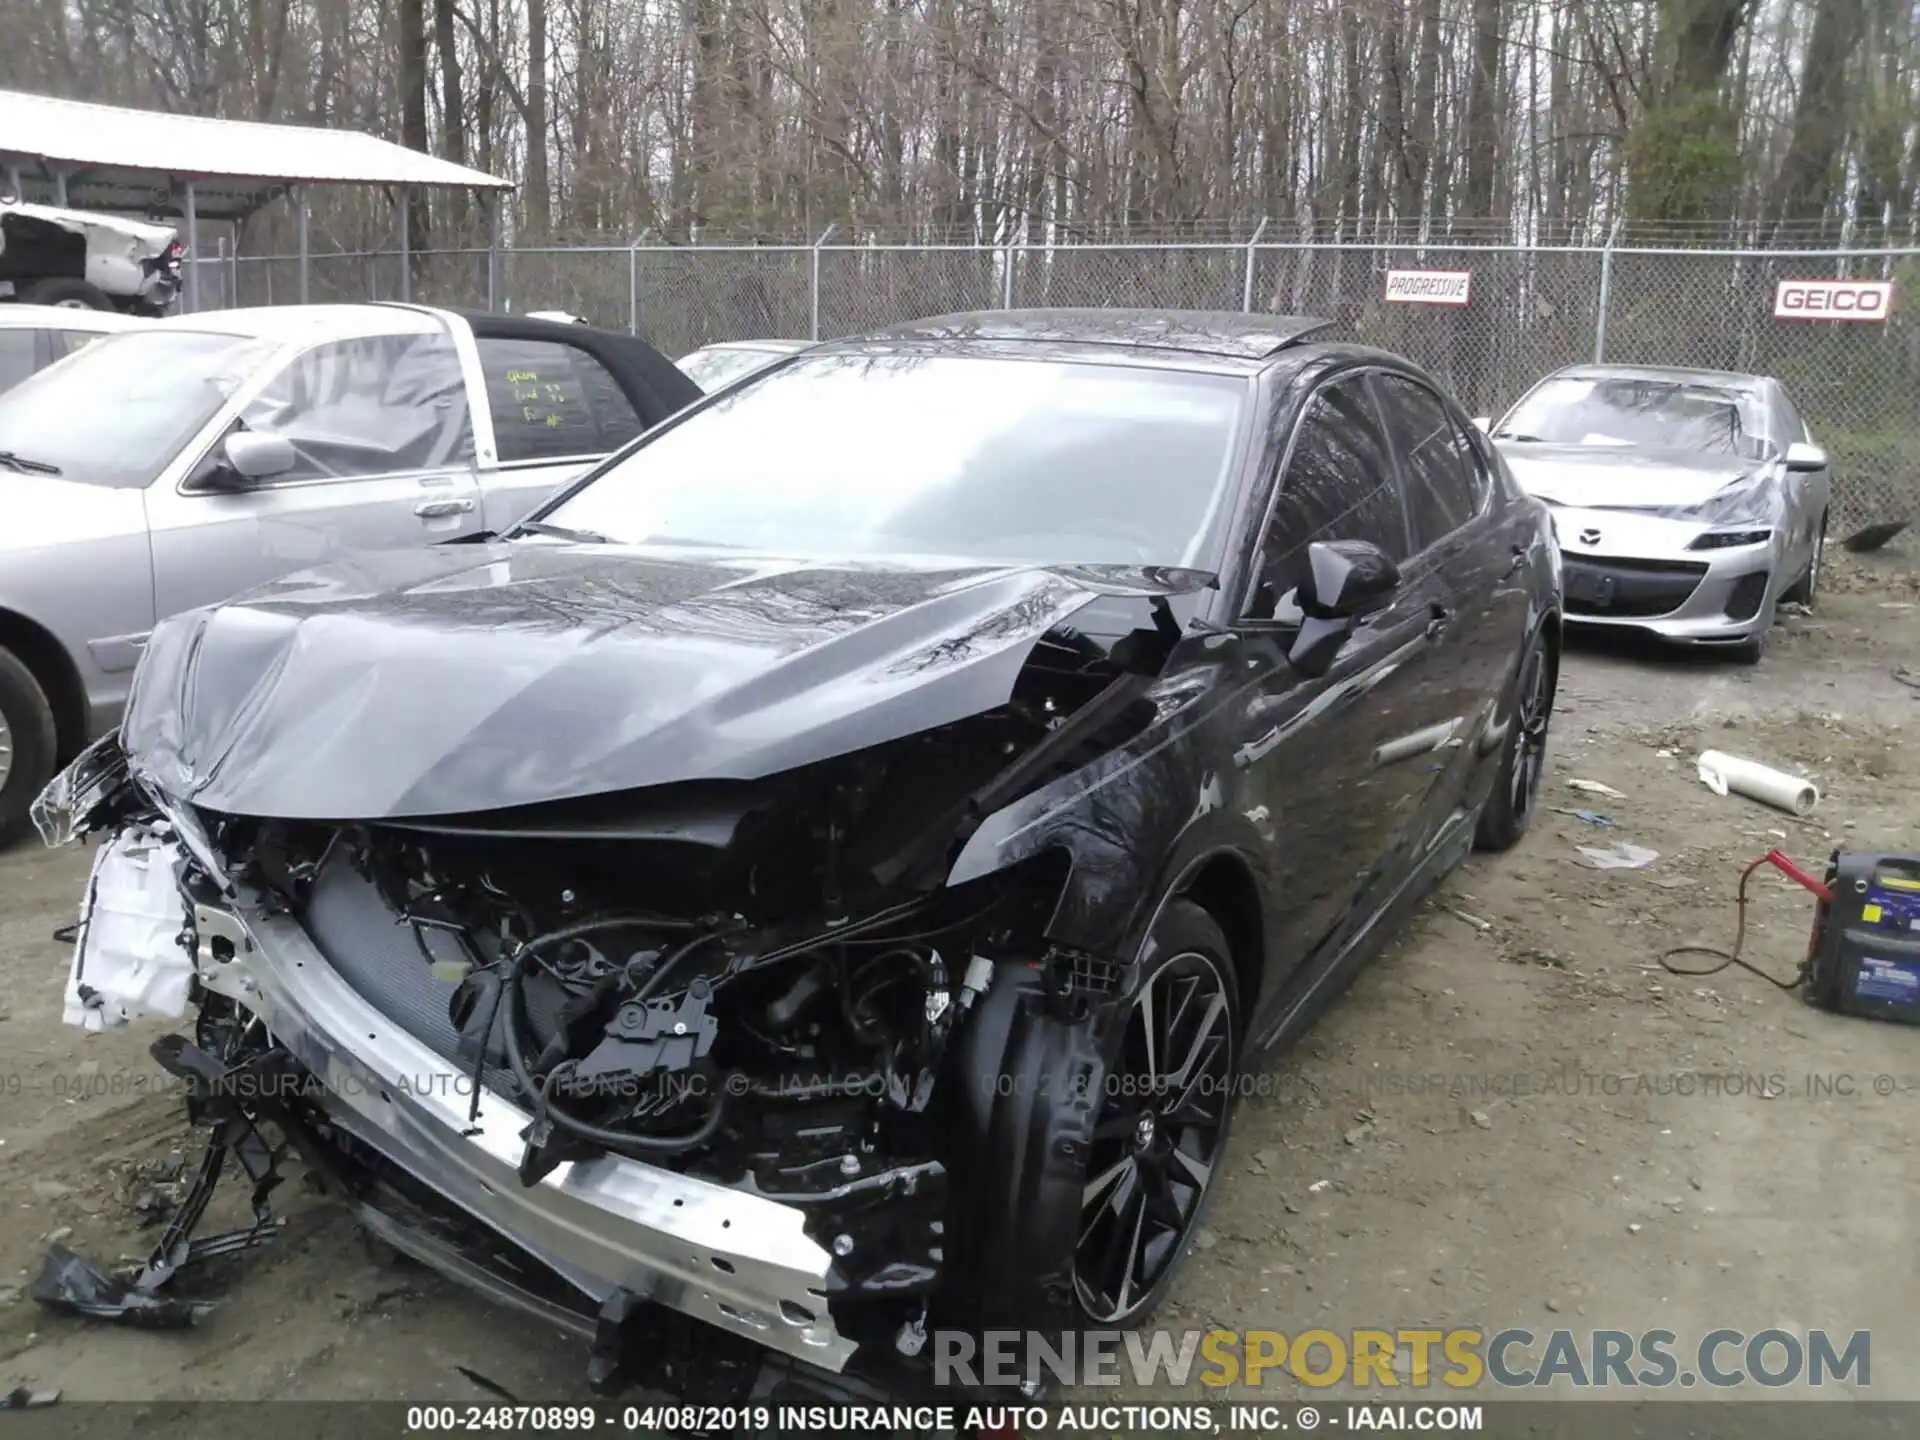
(824, 872)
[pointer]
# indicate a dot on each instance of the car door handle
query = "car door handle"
(1437, 625)
(435, 509)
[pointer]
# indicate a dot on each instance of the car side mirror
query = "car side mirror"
(1345, 581)
(253, 455)
(1803, 457)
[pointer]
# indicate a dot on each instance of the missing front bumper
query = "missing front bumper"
(606, 1226)
(613, 1231)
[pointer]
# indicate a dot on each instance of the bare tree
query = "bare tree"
(774, 118)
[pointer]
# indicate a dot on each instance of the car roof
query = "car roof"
(67, 317)
(1212, 334)
(1678, 374)
(766, 347)
(310, 323)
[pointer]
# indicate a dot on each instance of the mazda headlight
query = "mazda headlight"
(1729, 539)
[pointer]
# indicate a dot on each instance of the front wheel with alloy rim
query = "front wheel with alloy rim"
(1523, 758)
(28, 744)
(1807, 587)
(1161, 1123)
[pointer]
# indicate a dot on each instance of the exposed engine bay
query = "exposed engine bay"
(767, 986)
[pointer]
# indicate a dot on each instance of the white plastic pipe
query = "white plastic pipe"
(1722, 773)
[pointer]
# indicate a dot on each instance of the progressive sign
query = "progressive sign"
(1833, 300)
(1429, 287)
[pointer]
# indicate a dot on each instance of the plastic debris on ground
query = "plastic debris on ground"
(1594, 787)
(21, 1398)
(70, 1283)
(1734, 774)
(1618, 857)
(1591, 817)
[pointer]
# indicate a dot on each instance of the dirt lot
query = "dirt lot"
(1516, 1118)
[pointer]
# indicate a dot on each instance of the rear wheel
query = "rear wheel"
(1160, 1126)
(1523, 761)
(67, 293)
(28, 744)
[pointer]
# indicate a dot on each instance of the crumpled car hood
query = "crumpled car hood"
(480, 677)
(1599, 477)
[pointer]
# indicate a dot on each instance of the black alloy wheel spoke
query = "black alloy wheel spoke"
(1154, 1141)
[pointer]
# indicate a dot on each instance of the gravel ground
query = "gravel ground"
(1583, 1161)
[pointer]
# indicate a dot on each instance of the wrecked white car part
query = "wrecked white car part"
(54, 256)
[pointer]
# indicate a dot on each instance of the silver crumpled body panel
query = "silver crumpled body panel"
(733, 1259)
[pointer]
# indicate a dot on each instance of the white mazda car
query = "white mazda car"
(1689, 503)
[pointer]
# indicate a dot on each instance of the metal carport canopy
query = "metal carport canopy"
(106, 157)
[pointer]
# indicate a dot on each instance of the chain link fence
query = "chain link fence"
(1531, 311)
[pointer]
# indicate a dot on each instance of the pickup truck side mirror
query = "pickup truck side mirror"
(1345, 581)
(254, 455)
(1805, 458)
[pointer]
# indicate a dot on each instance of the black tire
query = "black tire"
(1750, 651)
(62, 290)
(1159, 1137)
(1523, 758)
(29, 744)
(1806, 589)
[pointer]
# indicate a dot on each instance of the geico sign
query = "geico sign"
(1833, 300)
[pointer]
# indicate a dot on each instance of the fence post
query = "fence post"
(300, 217)
(1606, 295)
(633, 281)
(193, 252)
(221, 268)
(1006, 279)
(496, 257)
(406, 255)
(1246, 291)
(814, 322)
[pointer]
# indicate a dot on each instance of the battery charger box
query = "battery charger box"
(1865, 952)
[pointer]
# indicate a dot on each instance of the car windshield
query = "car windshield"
(717, 366)
(1001, 460)
(1635, 412)
(117, 411)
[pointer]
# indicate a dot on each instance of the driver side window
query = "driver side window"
(1337, 484)
(376, 405)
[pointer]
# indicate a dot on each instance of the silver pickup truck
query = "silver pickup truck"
(179, 464)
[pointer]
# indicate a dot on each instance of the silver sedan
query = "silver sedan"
(203, 455)
(1689, 503)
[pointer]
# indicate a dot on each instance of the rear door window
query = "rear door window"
(552, 401)
(1445, 482)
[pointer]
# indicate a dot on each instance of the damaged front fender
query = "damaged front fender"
(1130, 821)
